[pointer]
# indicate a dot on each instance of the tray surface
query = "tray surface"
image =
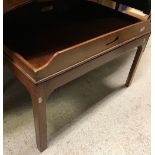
(38, 35)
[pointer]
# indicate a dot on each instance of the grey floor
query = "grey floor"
(92, 115)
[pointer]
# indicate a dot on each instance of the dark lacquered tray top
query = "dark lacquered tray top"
(32, 32)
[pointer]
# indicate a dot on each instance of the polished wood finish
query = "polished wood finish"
(48, 52)
(134, 66)
(42, 72)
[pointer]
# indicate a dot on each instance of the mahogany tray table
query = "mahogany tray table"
(48, 44)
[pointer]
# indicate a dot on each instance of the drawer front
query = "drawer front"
(85, 51)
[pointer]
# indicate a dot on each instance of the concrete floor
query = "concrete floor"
(92, 115)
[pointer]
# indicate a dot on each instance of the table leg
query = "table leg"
(134, 66)
(39, 96)
(39, 112)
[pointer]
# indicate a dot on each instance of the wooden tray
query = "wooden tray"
(47, 43)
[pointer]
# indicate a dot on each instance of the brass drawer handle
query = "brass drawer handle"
(112, 40)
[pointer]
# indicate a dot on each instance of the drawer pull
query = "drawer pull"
(112, 41)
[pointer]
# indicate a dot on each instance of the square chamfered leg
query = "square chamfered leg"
(39, 97)
(134, 66)
(40, 120)
(135, 63)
